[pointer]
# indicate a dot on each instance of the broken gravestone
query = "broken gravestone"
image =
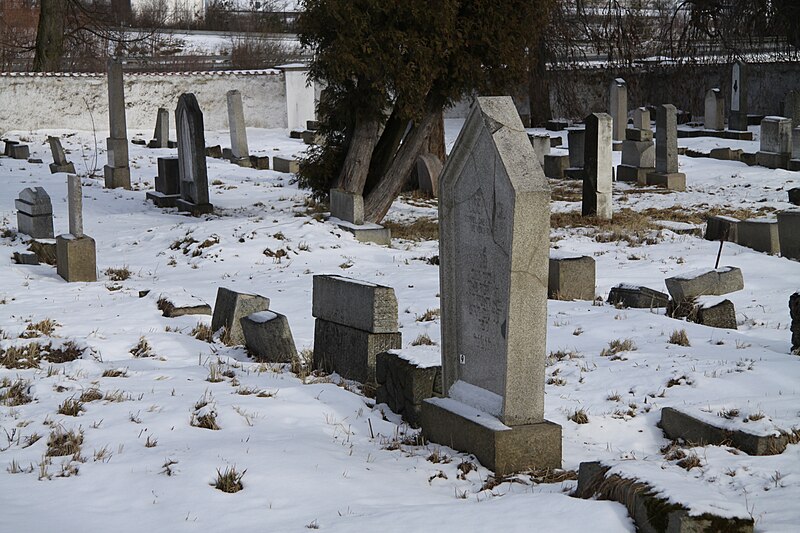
(230, 307)
(76, 255)
(35, 213)
(60, 163)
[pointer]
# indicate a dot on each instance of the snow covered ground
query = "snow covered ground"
(317, 454)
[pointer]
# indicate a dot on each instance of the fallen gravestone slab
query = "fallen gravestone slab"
(230, 307)
(637, 297)
(406, 378)
(176, 305)
(45, 250)
(268, 337)
(696, 283)
(25, 258)
(714, 313)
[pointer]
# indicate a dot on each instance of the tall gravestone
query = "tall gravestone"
(597, 166)
(618, 107)
(714, 110)
(75, 252)
(240, 154)
(117, 172)
(666, 173)
(494, 209)
(191, 157)
(738, 117)
(161, 134)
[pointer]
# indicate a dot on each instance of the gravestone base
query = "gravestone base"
(720, 227)
(116, 177)
(365, 232)
(20, 151)
(555, 165)
(726, 154)
(282, 164)
(637, 297)
(38, 226)
(498, 447)
(155, 144)
(575, 173)
(571, 278)
(55, 168)
(773, 159)
(759, 234)
(76, 258)
(350, 352)
(259, 162)
(268, 337)
(673, 181)
(192, 208)
(631, 173)
(404, 386)
(163, 200)
(794, 164)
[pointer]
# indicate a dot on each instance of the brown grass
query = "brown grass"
(579, 416)
(203, 332)
(44, 328)
(70, 407)
(142, 348)
(618, 345)
(14, 393)
(421, 229)
(62, 442)
(118, 274)
(679, 337)
(230, 480)
(422, 340)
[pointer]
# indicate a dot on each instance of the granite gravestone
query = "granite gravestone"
(60, 163)
(240, 154)
(35, 213)
(75, 252)
(117, 172)
(494, 209)
(597, 167)
(666, 173)
(738, 117)
(192, 157)
(618, 107)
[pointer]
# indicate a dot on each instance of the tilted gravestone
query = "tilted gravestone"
(714, 110)
(35, 213)
(597, 166)
(60, 163)
(192, 157)
(161, 134)
(494, 207)
(738, 117)
(117, 172)
(75, 252)
(240, 154)
(666, 173)
(618, 108)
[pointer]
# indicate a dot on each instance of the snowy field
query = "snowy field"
(315, 453)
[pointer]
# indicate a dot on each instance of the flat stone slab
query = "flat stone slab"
(759, 234)
(680, 425)
(350, 352)
(25, 258)
(673, 181)
(366, 232)
(268, 337)
(230, 307)
(160, 199)
(696, 283)
(724, 134)
(282, 164)
(650, 512)
(192, 208)
(637, 297)
(722, 228)
(498, 447)
(354, 303)
(571, 277)
(404, 381)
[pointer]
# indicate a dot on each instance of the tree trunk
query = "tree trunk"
(386, 149)
(379, 200)
(539, 86)
(435, 144)
(354, 172)
(50, 36)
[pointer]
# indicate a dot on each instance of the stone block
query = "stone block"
(312, 125)
(192, 208)
(673, 181)
(354, 303)
(69, 168)
(76, 258)
(168, 180)
(367, 232)
(230, 307)
(760, 234)
(214, 151)
(722, 228)
(38, 227)
(794, 315)
(163, 200)
(282, 164)
(773, 159)
(20, 151)
(296, 134)
(116, 177)
(794, 196)
(632, 134)
(268, 337)
(7, 146)
(576, 139)
(571, 278)
(170, 310)
(259, 162)
(25, 258)
(789, 233)
(726, 154)
(716, 282)
(718, 315)
(640, 154)
(403, 385)
(637, 297)
(500, 448)
(347, 206)
(776, 135)
(350, 352)
(45, 250)
(555, 165)
(117, 152)
(633, 174)
(679, 425)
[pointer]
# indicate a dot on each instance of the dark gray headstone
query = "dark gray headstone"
(192, 156)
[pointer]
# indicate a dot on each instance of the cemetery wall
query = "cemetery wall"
(63, 101)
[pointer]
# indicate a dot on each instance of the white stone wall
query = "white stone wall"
(63, 101)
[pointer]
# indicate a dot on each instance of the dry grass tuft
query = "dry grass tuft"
(230, 480)
(579, 416)
(115, 373)
(26, 356)
(62, 442)
(679, 337)
(69, 351)
(142, 348)
(118, 274)
(44, 328)
(70, 407)
(14, 393)
(422, 340)
(689, 462)
(302, 364)
(428, 315)
(91, 395)
(205, 415)
(203, 332)
(618, 345)
(421, 229)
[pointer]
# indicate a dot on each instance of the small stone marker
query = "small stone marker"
(8, 143)
(556, 165)
(230, 307)
(60, 163)
(494, 221)
(638, 156)
(714, 282)
(794, 195)
(35, 213)
(666, 173)
(776, 143)
(240, 154)
(789, 233)
(161, 134)
(260, 162)
(571, 277)
(641, 119)
(794, 315)
(717, 314)
(597, 166)
(714, 110)
(722, 228)
(355, 321)
(738, 118)
(268, 338)
(168, 183)
(20, 151)
(117, 172)
(282, 164)
(541, 146)
(408, 377)
(76, 255)
(191, 157)
(760, 234)
(618, 108)
(637, 297)
(347, 206)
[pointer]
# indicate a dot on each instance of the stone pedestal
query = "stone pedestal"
(348, 351)
(555, 165)
(404, 386)
(20, 151)
(193, 209)
(366, 232)
(674, 181)
(76, 258)
(117, 177)
(571, 278)
(760, 234)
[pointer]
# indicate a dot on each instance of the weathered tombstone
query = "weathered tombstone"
(494, 219)
(8, 144)
(20, 151)
(192, 157)
(705, 282)
(571, 277)
(283, 164)
(576, 138)
(75, 252)
(347, 212)
(541, 146)
(229, 309)
(117, 172)
(355, 321)
(722, 228)
(408, 377)
(268, 337)
(35, 213)
(168, 183)
(714, 110)
(794, 162)
(776, 142)
(60, 163)
(666, 173)
(618, 108)
(240, 154)
(637, 296)
(638, 156)
(738, 118)
(161, 134)
(556, 165)
(641, 118)
(597, 166)
(789, 233)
